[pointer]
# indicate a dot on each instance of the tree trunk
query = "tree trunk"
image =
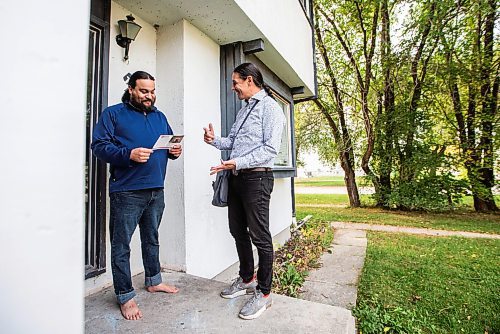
(341, 136)
(346, 158)
(481, 190)
(489, 92)
(407, 169)
(363, 82)
(352, 188)
(387, 148)
(486, 204)
(364, 87)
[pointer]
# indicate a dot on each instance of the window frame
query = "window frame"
(286, 131)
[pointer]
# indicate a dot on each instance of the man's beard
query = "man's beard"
(140, 106)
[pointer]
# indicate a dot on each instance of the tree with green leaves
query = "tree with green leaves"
(381, 70)
(334, 30)
(472, 62)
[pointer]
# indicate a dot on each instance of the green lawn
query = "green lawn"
(460, 220)
(324, 199)
(414, 284)
(325, 181)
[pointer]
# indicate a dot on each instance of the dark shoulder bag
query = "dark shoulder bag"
(221, 183)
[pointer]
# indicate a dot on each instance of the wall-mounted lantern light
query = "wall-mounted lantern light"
(128, 32)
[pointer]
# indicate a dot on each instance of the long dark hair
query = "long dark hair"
(248, 69)
(132, 82)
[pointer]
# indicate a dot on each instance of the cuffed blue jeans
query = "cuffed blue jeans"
(129, 209)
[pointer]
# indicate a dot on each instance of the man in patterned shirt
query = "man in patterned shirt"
(253, 151)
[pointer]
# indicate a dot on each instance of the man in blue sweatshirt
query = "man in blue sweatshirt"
(123, 137)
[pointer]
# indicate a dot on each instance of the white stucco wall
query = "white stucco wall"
(42, 137)
(170, 90)
(284, 24)
(280, 215)
(142, 56)
(193, 233)
(209, 245)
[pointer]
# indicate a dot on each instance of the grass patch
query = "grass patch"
(459, 220)
(324, 199)
(298, 255)
(413, 284)
(325, 181)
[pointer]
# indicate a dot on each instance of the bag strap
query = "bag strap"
(245, 119)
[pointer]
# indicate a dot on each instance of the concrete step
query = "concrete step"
(198, 308)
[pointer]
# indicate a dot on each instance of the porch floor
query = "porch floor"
(198, 308)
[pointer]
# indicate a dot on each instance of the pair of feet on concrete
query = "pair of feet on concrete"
(256, 305)
(130, 310)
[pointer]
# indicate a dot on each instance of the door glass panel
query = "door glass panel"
(94, 182)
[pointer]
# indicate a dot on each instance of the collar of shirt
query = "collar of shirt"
(153, 109)
(258, 96)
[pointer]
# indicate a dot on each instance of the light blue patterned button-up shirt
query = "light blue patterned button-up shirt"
(258, 142)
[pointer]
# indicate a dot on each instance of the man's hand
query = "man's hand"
(176, 150)
(140, 154)
(229, 164)
(209, 134)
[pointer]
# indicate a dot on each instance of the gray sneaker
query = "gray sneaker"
(239, 288)
(255, 306)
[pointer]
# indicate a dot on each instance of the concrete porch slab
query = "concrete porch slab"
(197, 308)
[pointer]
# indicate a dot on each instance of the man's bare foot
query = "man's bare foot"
(130, 310)
(162, 287)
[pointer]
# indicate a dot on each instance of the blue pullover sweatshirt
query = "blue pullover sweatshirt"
(120, 129)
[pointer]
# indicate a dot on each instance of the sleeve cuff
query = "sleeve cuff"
(171, 156)
(216, 142)
(127, 161)
(240, 163)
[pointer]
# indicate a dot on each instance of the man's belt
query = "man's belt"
(256, 169)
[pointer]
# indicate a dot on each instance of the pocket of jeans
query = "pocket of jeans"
(270, 184)
(251, 189)
(126, 193)
(253, 178)
(122, 197)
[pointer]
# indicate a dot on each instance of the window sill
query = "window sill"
(280, 172)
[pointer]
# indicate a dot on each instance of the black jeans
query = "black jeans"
(248, 204)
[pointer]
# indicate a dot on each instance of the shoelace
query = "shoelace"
(254, 298)
(237, 281)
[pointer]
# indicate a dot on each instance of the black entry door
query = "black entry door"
(95, 170)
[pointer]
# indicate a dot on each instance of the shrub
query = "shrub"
(298, 255)
(428, 193)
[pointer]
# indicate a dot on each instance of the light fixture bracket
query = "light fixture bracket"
(122, 41)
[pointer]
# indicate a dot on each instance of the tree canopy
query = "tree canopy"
(408, 93)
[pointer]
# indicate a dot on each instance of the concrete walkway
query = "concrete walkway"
(198, 308)
(335, 283)
(412, 230)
